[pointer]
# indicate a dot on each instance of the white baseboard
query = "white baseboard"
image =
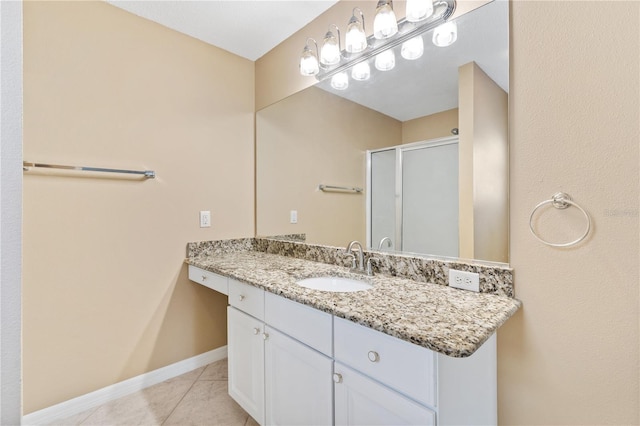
(101, 396)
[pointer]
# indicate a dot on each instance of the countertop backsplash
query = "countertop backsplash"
(494, 279)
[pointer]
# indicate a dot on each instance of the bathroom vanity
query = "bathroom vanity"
(402, 352)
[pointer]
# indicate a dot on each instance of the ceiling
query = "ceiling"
(251, 28)
(247, 28)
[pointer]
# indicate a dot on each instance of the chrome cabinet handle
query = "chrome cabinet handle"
(373, 356)
(265, 336)
(204, 277)
(241, 297)
(256, 331)
(337, 378)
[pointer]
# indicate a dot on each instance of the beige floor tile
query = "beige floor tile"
(215, 371)
(73, 420)
(208, 404)
(148, 407)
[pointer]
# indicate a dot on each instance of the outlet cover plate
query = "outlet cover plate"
(464, 280)
(205, 219)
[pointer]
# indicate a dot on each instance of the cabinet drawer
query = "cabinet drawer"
(209, 279)
(247, 298)
(405, 367)
(308, 325)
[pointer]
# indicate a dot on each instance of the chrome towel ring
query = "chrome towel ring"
(561, 201)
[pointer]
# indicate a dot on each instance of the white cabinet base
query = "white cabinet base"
(292, 365)
(468, 387)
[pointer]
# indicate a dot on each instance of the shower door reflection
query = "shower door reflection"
(414, 198)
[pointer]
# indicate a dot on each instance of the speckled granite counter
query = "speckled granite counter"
(447, 320)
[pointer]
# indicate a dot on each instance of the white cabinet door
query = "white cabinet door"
(362, 401)
(298, 383)
(246, 362)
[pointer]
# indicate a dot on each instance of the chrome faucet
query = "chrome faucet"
(382, 241)
(359, 266)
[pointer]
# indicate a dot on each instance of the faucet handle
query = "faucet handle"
(353, 259)
(369, 266)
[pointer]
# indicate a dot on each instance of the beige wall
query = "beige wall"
(570, 356)
(327, 143)
(484, 166)
(106, 295)
(438, 125)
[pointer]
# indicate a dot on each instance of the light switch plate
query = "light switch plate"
(293, 216)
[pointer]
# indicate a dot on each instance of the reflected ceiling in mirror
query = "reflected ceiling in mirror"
(429, 84)
(321, 135)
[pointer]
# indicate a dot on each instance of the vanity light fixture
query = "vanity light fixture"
(422, 16)
(340, 81)
(418, 10)
(356, 39)
(412, 48)
(385, 61)
(331, 47)
(361, 71)
(309, 59)
(385, 24)
(446, 34)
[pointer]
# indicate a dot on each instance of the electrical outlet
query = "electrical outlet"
(293, 216)
(464, 280)
(205, 219)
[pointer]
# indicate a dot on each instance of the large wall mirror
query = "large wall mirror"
(382, 135)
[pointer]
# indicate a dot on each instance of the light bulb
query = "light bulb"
(361, 71)
(309, 64)
(355, 39)
(340, 81)
(309, 60)
(418, 10)
(446, 34)
(330, 51)
(385, 24)
(412, 48)
(386, 60)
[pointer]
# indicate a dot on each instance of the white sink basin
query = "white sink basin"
(336, 284)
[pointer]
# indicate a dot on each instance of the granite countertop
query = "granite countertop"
(446, 320)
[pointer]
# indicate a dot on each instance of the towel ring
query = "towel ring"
(560, 201)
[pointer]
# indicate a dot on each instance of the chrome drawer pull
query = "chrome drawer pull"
(373, 356)
(256, 331)
(241, 297)
(204, 277)
(265, 336)
(337, 378)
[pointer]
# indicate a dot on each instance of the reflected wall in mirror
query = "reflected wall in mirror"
(321, 136)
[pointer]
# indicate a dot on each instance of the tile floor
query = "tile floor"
(196, 398)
